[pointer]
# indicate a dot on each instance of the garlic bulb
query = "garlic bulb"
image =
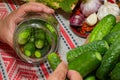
(88, 7)
(108, 8)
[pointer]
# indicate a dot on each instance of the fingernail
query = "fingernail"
(51, 10)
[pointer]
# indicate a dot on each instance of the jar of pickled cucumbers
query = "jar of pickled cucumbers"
(36, 37)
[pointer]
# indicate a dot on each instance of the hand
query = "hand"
(62, 72)
(74, 75)
(8, 24)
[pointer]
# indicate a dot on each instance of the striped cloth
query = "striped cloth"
(12, 68)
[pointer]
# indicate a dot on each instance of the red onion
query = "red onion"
(76, 19)
(90, 6)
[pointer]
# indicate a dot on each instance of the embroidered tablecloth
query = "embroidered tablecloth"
(12, 68)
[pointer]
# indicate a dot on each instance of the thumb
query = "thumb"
(60, 72)
(74, 75)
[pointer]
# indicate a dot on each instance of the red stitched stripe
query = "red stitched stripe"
(44, 70)
(12, 5)
(69, 41)
(1, 76)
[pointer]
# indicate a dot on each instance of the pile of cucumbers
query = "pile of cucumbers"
(34, 43)
(99, 59)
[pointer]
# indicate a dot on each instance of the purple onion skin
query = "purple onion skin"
(77, 19)
(86, 11)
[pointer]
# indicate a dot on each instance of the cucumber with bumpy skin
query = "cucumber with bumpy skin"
(38, 54)
(111, 37)
(39, 38)
(29, 49)
(39, 34)
(39, 43)
(24, 36)
(54, 60)
(86, 63)
(116, 27)
(53, 31)
(115, 74)
(45, 49)
(91, 77)
(110, 58)
(114, 34)
(102, 28)
(99, 46)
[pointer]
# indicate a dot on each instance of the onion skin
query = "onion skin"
(77, 19)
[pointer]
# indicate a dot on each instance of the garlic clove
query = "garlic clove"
(91, 19)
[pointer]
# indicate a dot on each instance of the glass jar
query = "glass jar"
(36, 37)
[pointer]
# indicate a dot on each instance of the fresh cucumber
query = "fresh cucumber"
(45, 49)
(111, 37)
(109, 60)
(99, 46)
(53, 31)
(54, 60)
(114, 34)
(91, 77)
(37, 54)
(39, 43)
(32, 37)
(116, 27)
(49, 38)
(29, 49)
(86, 63)
(102, 28)
(39, 34)
(115, 74)
(39, 38)
(24, 36)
